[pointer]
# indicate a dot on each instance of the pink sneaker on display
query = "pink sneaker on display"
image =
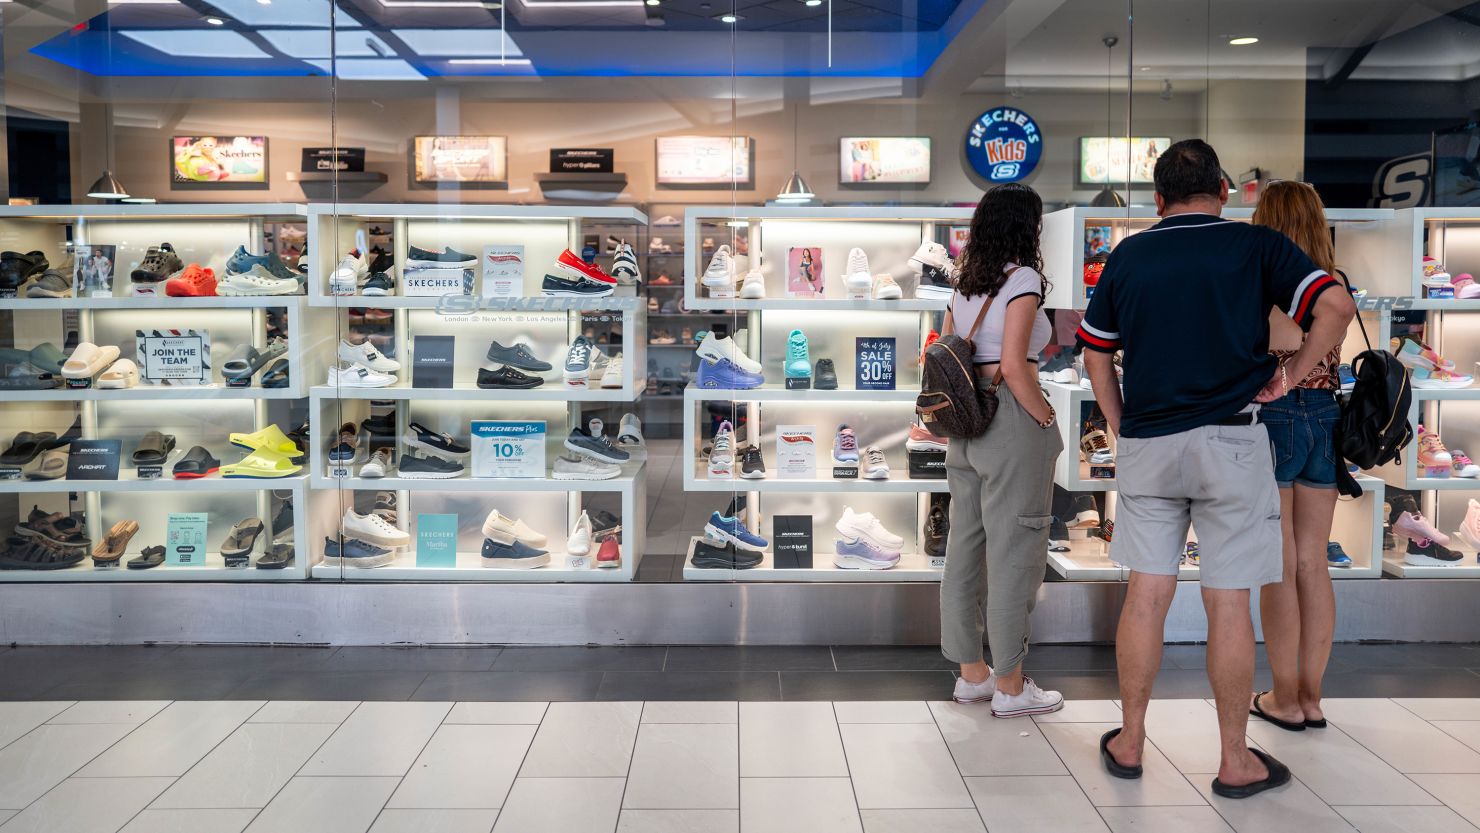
(1469, 528)
(1431, 451)
(1416, 528)
(1462, 464)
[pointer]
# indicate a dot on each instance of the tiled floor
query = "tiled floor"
(324, 766)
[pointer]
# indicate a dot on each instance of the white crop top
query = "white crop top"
(988, 338)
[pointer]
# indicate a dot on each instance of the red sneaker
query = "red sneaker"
(610, 554)
(930, 338)
(195, 282)
(572, 263)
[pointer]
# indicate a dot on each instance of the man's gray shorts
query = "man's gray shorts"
(1217, 478)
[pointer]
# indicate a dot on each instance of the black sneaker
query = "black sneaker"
(158, 264)
(379, 283)
(446, 257)
(604, 524)
(507, 378)
(711, 556)
(1431, 554)
(424, 438)
(555, 285)
(17, 268)
(414, 467)
(515, 556)
(752, 465)
(1058, 536)
(937, 525)
(597, 448)
(824, 377)
(518, 356)
(935, 282)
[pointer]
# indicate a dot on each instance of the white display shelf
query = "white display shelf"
(1089, 560)
(630, 472)
(1441, 304)
(152, 302)
(149, 393)
(912, 567)
(466, 304)
(1393, 565)
(1070, 471)
(213, 570)
(127, 482)
(470, 568)
(1469, 394)
(555, 391)
(778, 393)
(177, 211)
(697, 482)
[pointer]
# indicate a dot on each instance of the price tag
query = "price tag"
(508, 448)
(874, 361)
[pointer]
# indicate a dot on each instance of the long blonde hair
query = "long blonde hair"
(1295, 210)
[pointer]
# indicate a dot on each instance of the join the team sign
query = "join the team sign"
(1004, 145)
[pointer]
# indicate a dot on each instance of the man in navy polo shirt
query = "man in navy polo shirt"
(1188, 301)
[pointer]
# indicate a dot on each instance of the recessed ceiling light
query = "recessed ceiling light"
(654, 2)
(215, 21)
(814, 2)
(1145, 69)
(1242, 41)
(265, 2)
(728, 18)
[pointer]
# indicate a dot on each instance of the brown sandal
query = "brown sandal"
(110, 549)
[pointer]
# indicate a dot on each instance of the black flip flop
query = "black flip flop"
(26, 445)
(154, 449)
(1318, 723)
(1287, 725)
(1279, 775)
(276, 376)
(1112, 766)
(196, 463)
(150, 557)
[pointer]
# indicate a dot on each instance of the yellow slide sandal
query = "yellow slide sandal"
(262, 464)
(270, 439)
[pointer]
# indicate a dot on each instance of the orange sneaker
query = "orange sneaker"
(922, 440)
(195, 281)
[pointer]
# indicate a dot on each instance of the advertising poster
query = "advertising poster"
(173, 357)
(503, 270)
(703, 160)
(1105, 160)
(482, 160)
(957, 242)
(884, 160)
(796, 451)
(436, 540)
(874, 361)
(185, 539)
(507, 448)
(804, 276)
(219, 159)
(1096, 241)
(92, 270)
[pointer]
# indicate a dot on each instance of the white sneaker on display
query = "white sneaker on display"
(1033, 700)
(855, 525)
(857, 277)
(378, 464)
(611, 376)
(884, 288)
(969, 692)
(715, 348)
(754, 286)
(365, 353)
(569, 467)
(358, 376)
(372, 528)
(720, 274)
(624, 265)
(722, 451)
(629, 436)
(352, 271)
(579, 542)
(599, 363)
(930, 254)
(258, 281)
(505, 530)
(875, 466)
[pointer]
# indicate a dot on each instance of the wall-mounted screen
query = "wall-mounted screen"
(1105, 160)
(481, 160)
(884, 160)
(704, 160)
(203, 160)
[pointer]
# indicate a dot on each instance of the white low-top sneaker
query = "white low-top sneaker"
(378, 465)
(358, 376)
(570, 467)
(969, 692)
(885, 288)
(372, 528)
(579, 542)
(754, 286)
(1033, 700)
(720, 273)
(365, 353)
(629, 435)
(505, 530)
(715, 348)
(258, 281)
(612, 376)
(855, 525)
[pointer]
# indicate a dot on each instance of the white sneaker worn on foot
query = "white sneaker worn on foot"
(1033, 700)
(969, 692)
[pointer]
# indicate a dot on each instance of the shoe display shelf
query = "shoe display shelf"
(1451, 326)
(546, 326)
(832, 325)
(202, 415)
(1372, 247)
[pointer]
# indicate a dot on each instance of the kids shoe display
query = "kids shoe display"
(366, 355)
(845, 447)
(884, 288)
(448, 258)
(919, 439)
(1432, 454)
(578, 360)
(798, 366)
(1465, 287)
(158, 264)
(358, 376)
(624, 265)
(722, 374)
(863, 555)
(732, 531)
(1336, 556)
(1415, 355)
(609, 556)
(752, 464)
(857, 277)
(875, 466)
(753, 288)
(824, 376)
(715, 348)
(1433, 269)
(1416, 528)
(720, 273)
(194, 281)
(1469, 528)
(1440, 379)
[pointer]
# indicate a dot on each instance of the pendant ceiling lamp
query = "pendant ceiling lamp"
(107, 187)
(1108, 198)
(795, 190)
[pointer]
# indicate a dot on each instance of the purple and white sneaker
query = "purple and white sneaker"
(726, 375)
(863, 555)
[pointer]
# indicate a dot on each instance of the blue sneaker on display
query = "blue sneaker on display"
(863, 554)
(732, 531)
(1335, 556)
(726, 375)
(241, 263)
(515, 556)
(798, 362)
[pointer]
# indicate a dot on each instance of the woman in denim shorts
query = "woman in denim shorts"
(1299, 613)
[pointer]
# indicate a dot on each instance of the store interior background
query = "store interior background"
(1332, 90)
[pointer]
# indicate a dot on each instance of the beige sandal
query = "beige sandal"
(110, 549)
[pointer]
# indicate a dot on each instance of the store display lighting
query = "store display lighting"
(150, 200)
(107, 188)
(215, 21)
(1243, 41)
(795, 190)
(728, 18)
(654, 2)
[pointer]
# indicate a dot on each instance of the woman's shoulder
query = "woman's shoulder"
(1023, 279)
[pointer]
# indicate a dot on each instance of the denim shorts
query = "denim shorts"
(1302, 426)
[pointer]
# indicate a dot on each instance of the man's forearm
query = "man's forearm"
(1101, 370)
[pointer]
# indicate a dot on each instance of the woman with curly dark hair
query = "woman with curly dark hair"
(1001, 482)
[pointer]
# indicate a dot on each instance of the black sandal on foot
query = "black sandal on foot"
(1112, 766)
(1259, 712)
(1318, 723)
(1279, 775)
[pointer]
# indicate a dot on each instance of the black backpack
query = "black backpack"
(1373, 428)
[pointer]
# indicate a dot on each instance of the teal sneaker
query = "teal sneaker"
(798, 363)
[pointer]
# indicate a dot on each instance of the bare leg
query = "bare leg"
(1231, 672)
(976, 672)
(1138, 641)
(1281, 613)
(1314, 509)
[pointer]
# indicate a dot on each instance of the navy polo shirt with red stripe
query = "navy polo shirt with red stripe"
(1188, 301)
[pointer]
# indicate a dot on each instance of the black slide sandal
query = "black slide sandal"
(276, 376)
(1259, 712)
(1279, 775)
(1318, 723)
(26, 446)
(1112, 766)
(154, 449)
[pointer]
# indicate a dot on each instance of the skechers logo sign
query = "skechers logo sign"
(458, 304)
(1003, 145)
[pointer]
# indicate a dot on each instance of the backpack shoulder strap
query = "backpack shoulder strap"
(988, 305)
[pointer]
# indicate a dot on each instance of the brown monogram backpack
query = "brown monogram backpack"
(950, 404)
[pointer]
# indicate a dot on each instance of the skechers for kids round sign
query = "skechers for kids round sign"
(1004, 145)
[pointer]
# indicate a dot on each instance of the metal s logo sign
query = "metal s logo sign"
(1004, 145)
